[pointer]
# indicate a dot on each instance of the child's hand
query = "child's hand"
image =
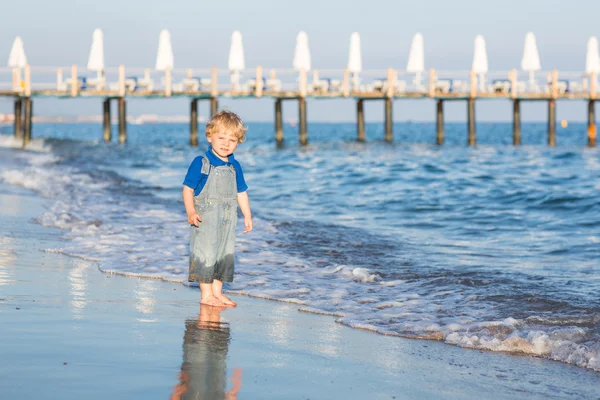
(247, 224)
(194, 219)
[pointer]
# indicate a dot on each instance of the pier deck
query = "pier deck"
(211, 84)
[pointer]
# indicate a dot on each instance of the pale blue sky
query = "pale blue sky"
(58, 33)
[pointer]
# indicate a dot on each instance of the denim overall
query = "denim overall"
(212, 243)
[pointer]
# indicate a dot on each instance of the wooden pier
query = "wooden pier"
(120, 84)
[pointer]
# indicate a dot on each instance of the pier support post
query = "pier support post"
(516, 122)
(439, 123)
(472, 138)
(278, 123)
(591, 131)
(360, 120)
(388, 120)
(122, 121)
(194, 122)
(552, 122)
(106, 120)
(18, 128)
(302, 131)
(28, 121)
(214, 106)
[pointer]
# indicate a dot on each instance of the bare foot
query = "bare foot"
(225, 300)
(211, 301)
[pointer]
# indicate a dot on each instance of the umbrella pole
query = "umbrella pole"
(531, 80)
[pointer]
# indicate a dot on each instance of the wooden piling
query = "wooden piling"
(106, 120)
(194, 123)
(439, 125)
(214, 105)
(472, 138)
(18, 128)
(552, 122)
(302, 127)
(28, 121)
(278, 122)
(516, 122)
(388, 120)
(360, 120)
(122, 121)
(591, 130)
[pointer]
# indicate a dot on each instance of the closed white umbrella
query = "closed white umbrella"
(592, 58)
(302, 53)
(480, 61)
(416, 58)
(96, 58)
(17, 58)
(236, 62)
(164, 56)
(355, 59)
(531, 59)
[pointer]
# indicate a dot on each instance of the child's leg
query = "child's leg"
(217, 291)
(208, 296)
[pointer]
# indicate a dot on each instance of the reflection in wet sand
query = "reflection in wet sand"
(205, 346)
(7, 259)
(78, 289)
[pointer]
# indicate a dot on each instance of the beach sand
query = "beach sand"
(70, 331)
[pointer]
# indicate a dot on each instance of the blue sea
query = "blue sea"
(493, 247)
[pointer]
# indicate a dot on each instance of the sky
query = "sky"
(59, 33)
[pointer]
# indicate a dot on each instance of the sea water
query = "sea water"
(493, 247)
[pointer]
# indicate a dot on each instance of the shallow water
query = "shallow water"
(492, 247)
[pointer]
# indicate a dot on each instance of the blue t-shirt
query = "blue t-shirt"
(196, 179)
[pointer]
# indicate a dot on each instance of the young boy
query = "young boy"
(213, 184)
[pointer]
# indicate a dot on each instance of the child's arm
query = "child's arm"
(188, 201)
(245, 207)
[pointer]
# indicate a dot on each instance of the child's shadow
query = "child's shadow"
(203, 371)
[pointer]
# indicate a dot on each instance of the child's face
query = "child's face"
(223, 143)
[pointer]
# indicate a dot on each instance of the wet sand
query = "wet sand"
(70, 331)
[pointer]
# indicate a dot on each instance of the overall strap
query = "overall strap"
(206, 167)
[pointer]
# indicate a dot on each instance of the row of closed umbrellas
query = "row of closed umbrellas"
(302, 59)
